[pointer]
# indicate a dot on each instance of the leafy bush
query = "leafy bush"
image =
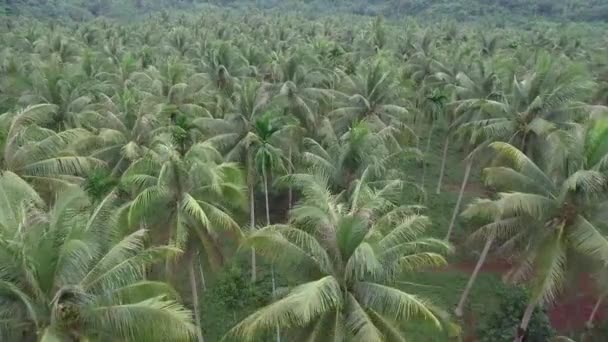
(236, 292)
(501, 324)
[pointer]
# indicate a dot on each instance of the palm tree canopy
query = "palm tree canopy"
(351, 251)
(69, 272)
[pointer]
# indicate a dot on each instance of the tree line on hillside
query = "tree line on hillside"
(503, 10)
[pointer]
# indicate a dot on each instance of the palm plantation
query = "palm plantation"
(207, 171)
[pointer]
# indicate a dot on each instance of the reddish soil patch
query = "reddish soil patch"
(569, 314)
(574, 307)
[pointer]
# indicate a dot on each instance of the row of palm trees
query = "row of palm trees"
(128, 149)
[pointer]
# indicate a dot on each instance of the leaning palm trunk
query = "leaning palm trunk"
(444, 157)
(426, 154)
(465, 180)
(482, 258)
(195, 302)
(522, 330)
(278, 331)
(596, 308)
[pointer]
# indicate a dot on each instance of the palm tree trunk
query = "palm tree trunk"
(278, 332)
(465, 180)
(426, 154)
(200, 269)
(525, 321)
(523, 145)
(446, 146)
(117, 167)
(290, 191)
(195, 302)
(252, 223)
(266, 195)
(482, 258)
(274, 290)
(596, 308)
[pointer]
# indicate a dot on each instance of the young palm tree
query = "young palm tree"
(350, 253)
(69, 275)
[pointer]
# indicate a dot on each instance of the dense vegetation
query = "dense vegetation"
(502, 10)
(273, 177)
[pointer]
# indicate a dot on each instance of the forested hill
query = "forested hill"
(503, 10)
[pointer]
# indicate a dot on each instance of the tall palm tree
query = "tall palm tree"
(350, 253)
(588, 150)
(473, 90)
(69, 275)
(190, 191)
(238, 134)
(268, 159)
(535, 105)
(554, 214)
(432, 105)
(194, 189)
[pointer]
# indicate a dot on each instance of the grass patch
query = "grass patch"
(443, 288)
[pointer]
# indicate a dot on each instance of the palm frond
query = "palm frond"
(299, 307)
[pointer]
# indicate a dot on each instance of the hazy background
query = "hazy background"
(499, 11)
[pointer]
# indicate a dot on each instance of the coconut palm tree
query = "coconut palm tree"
(69, 275)
(588, 150)
(343, 159)
(350, 252)
(193, 188)
(40, 155)
(297, 91)
(54, 83)
(534, 105)
(473, 91)
(432, 105)
(238, 134)
(189, 192)
(370, 96)
(554, 214)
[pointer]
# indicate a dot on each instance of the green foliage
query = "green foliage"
(230, 298)
(99, 183)
(500, 324)
(503, 10)
(237, 293)
(173, 121)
